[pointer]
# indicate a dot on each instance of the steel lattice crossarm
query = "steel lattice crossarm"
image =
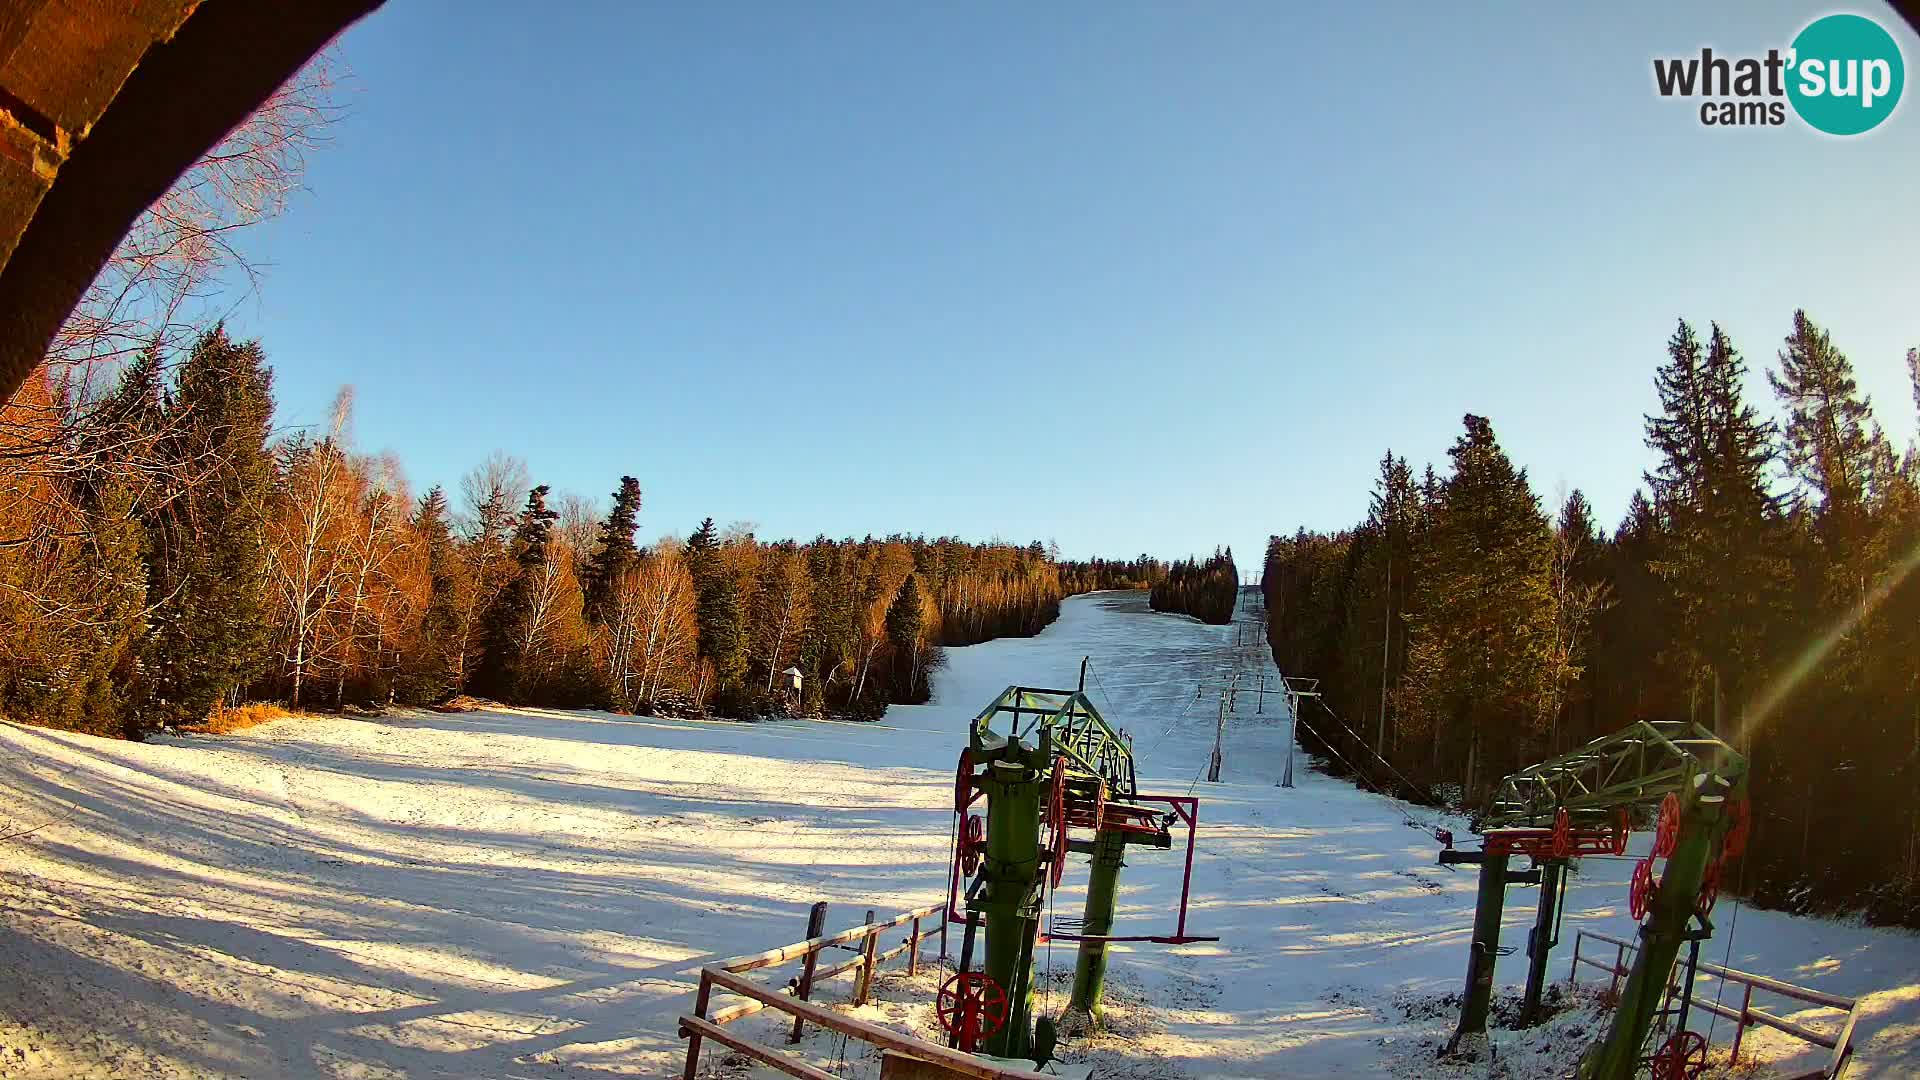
(1066, 724)
(1635, 766)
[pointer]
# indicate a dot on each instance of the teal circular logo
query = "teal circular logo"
(1845, 74)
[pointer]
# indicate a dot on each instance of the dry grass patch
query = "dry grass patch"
(226, 721)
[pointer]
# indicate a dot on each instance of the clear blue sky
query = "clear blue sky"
(1133, 277)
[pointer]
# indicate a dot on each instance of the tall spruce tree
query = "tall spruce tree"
(207, 575)
(504, 673)
(1830, 439)
(906, 637)
(1484, 611)
(1723, 560)
(719, 614)
(1378, 633)
(434, 668)
(614, 553)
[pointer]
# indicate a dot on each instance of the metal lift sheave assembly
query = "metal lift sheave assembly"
(1041, 765)
(1585, 803)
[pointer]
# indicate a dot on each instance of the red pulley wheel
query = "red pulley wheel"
(1667, 834)
(1562, 834)
(963, 782)
(971, 1006)
(1682, 1057)
(1622, 828)
(1709, 890)
(1641, 889)
(972, 843)
(1739, 827)
(1057, 817)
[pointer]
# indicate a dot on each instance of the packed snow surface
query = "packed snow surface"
(525, 894)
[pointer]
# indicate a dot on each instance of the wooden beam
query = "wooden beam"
(754, 961)
(179, 101)
(873, 1033)
(1801, 1031)
(691, 1025)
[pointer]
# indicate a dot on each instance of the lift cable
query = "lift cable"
(1411, 786)
(1328, 747)
(1726, 961)
(1427, 826)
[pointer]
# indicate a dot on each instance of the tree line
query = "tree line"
(1205, 590)
(1096, 575)
(1762, 583)
(163, 554)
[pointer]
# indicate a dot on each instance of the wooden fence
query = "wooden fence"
(1839, 1040)
(729, 976)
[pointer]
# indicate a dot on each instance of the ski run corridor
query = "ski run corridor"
(526, 894)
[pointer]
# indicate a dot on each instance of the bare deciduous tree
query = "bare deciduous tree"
(183, 246)
(305, 543)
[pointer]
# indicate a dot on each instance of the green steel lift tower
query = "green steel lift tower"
(1045, 763)
(1584, 803)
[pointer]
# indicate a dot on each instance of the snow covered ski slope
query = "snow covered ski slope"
(526, 894)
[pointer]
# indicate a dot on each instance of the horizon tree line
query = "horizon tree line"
(194, 560)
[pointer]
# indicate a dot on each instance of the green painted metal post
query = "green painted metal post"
(1486, 946)
(1103, 885)
(1618, 1055)
(1010, 900)
(1541, 940)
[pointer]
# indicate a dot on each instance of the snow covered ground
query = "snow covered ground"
(528, 894)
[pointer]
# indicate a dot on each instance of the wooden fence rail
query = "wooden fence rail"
(863, 942)
(1840, 1040)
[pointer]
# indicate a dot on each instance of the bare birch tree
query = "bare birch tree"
(305, 543)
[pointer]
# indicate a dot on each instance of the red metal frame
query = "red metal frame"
(1540, 843)
(954, 914)
(1187, 809)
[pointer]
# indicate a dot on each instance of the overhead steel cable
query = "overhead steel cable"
(1411, 786)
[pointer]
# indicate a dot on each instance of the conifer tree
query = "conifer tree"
(490, 493)
(615, 552)
(1484, 613)
(207, 578)
(504, 673)
(906, 636)
(720, 614)
(434, 668)
(1380, 602)
(1830, 439)
(1723, 560)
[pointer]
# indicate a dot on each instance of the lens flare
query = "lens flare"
(1803, 665)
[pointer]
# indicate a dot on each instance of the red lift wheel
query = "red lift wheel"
(1682, 1057)
(1099, 804)
(1562, 834)
(1667, 834)
(971, 1007)
(1640, 891)
(963, 782)
(972, 843)
(1740, 817)
(1709, 890)
(1057, 817)
(1622, 828)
